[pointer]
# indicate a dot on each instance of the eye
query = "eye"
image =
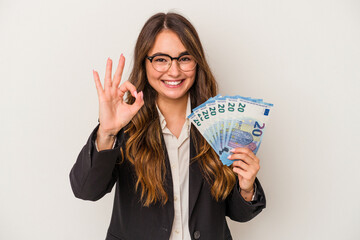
(160, 59)
(185, 59)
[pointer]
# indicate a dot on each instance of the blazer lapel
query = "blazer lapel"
(168, 184)
(195, 178)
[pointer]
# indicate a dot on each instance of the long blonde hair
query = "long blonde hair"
(144, 147)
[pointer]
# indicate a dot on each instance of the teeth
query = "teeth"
(173, 83)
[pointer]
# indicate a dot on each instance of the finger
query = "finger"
(98, 85)
(239, 171)
(236, 170)
(246, 175)
(139, 102)
(119, 71)
(251, 168)
(240, 164)
(127, 86)
(243, 157)
(244, 150)
(108, 74)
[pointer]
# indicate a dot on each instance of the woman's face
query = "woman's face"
(174, 83)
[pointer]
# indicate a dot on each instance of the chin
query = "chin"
(174, 96)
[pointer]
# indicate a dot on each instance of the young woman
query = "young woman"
(170, 184)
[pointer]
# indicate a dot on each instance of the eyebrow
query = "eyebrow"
(181, 54)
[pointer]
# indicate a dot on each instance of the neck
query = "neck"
(173, 108)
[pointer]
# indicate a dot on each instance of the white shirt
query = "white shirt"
(179, 156)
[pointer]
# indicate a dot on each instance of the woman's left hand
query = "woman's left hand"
(246, 165)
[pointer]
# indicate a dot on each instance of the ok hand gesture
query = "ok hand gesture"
(114, 113)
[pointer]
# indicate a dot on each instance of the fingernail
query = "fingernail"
(232, 150)
(135, 94)
(229, 157)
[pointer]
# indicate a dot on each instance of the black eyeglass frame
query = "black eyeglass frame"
(150, 58)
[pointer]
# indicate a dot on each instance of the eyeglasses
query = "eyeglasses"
(162, 62)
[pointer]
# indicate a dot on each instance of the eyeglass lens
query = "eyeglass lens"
(163, 63)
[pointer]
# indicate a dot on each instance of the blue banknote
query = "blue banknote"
(228, 122)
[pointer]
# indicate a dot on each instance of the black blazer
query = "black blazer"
(95, 173)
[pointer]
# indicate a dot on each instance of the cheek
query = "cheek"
(152, 75)
(192, 77)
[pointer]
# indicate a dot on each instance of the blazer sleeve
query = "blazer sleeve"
(238, 209)
(94, 173)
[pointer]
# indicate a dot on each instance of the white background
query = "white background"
(303, 56)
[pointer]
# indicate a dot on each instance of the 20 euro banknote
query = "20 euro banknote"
(230, 122)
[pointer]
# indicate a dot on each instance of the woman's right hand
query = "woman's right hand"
(114, 113)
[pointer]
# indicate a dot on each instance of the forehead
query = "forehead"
(167, 42)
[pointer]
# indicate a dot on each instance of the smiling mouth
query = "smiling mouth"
(173, 83)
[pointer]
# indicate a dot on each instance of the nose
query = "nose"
(174, 69)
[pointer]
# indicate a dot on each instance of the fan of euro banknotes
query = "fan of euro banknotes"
(231, 121)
